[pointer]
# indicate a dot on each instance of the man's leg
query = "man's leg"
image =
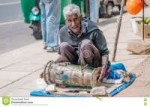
(94, 10)
(43, 21)
(53, 22)
(67, 53)
(89, 54)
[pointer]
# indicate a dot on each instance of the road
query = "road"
(14, 33)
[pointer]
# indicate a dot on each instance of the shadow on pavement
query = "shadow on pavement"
(107, 21)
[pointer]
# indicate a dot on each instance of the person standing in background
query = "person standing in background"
(37, 3)
(50, 21)
(94, 10)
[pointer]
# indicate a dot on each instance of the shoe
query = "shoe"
(52, 49)
(45, 47)
(55, 49)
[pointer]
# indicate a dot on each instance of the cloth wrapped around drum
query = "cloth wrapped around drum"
(71, 75)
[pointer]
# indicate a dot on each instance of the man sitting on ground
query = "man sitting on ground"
(82, 42)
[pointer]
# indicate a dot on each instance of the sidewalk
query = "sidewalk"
(20, 68)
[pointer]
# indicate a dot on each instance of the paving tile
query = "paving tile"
(11, 76)
(4, 82)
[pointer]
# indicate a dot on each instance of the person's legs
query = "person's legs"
(53, 22)
(89, 54)
(94, 10)
(67, 53)
(43, 20)
(37, 3)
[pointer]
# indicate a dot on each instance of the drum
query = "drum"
(71, 75)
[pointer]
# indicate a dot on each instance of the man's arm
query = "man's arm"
(100, 43)
(105, 60)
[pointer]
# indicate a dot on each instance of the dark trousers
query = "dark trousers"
(86, 53)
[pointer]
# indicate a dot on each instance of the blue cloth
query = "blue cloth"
(41, 93)
(123, 86)
(113, 74)
(44, 93)
(50, 21)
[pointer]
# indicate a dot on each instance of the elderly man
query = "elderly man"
(82, 42)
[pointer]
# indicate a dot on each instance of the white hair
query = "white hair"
(71, 9)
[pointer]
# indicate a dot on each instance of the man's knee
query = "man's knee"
(85, 43)
(86, 48)
(64, 46)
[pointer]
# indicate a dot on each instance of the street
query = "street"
(14, 33)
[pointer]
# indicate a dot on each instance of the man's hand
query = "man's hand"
(104, 67)
(102, 74)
